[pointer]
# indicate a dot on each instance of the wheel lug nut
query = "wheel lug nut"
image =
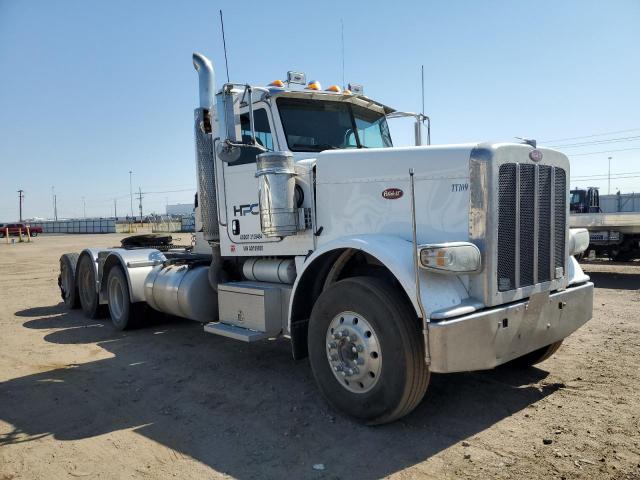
(345, 333)
(334, 357)
(360, 348)
(354, 349)
(338, 368)
(360, 361)
(332, 345)
(336, 335)
(349, 371)
(353, 338)
(354, 370)
(343, 373)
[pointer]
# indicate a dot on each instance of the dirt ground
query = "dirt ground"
(81, 400)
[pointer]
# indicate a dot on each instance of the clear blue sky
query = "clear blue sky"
(90, 90)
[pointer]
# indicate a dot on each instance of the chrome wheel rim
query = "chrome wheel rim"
(116, 298)
(353, 352)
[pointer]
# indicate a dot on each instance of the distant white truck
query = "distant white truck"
(380, 264)
(615, 234)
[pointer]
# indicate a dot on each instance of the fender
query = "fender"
(438, 291)
(136, 263)
(92, 253)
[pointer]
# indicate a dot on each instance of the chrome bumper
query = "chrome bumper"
(489, 338)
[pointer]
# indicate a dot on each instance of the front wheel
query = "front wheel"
(366, 350)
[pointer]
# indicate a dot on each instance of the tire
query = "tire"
(386, 376)
(86, 282)
(537, 356)
(124, 314)
(67, 280)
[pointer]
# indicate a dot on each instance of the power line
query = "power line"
(590, 136)
(605, 177)
(605, 174)
(604, 151)
(596, 142)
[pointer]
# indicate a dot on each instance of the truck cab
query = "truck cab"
(381, 264)
(584, 200)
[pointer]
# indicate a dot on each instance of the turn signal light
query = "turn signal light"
(314, 85)
(454, 257)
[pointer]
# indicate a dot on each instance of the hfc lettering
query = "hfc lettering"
(243, 210)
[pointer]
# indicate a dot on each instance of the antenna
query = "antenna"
(224, 43)
(422, 70)
(342, 42)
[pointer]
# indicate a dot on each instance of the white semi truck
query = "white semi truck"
(381, 264)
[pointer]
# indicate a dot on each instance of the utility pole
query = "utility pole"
(140, 201)
(131, 192)
(20, 200)
(55, 207)
(84, 208)
(609, 182)
(115, 208)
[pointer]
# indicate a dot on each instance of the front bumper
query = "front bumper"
(489, 338)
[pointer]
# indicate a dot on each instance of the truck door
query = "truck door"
(241, 185)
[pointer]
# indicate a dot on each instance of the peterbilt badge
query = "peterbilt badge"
(392, 193)
(535, 155)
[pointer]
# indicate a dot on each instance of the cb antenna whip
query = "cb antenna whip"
(224, 43)
(422, 70)
(342, 42)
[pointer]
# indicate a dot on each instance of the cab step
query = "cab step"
(237, 333)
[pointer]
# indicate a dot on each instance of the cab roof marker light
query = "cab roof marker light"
(334, 88)
(456, 258)
(277, 83)
(314, 85)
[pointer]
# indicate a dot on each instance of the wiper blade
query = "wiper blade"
(315, 148)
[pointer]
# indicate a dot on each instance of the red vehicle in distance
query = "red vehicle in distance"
(16, 228)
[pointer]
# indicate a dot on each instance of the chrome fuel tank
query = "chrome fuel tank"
(182, 290)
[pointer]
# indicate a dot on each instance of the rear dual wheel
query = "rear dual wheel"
(87, 288)
(124, 313)
(366, 350)
(67, 280)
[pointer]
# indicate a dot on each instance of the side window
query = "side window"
(263, 134)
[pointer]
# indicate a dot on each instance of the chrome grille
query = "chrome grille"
(531, 224)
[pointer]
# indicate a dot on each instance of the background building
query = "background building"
(180, 209)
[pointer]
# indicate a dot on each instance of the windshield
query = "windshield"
(577, 196)
(317, 125)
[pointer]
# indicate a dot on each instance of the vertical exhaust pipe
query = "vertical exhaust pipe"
(207, 80)
(203, 117)
(205, 168)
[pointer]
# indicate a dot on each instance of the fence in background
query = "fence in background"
(624, 202)
(98, 225)
(104, 225)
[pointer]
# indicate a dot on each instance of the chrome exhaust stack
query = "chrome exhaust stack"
(207, 80)
(205, 164)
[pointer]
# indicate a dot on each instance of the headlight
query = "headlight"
(454, 257)
(578, 240)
